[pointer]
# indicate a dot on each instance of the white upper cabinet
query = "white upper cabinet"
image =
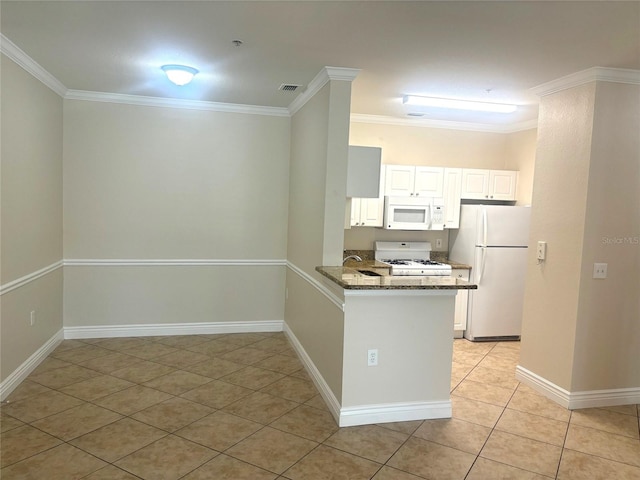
(478, 184)
(409, 181)
(363, 172)
(452, 195)
(502, 184)
(367, 212)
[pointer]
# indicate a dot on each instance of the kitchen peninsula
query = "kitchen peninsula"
(397, 344)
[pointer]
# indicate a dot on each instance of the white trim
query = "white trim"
(9, 384)
(333, 298)
(12, 51)
(144, 262)
(576, 400)
(318, 380)
(615, 75)
(175, 103)
(445, 124)
(604, 398)
(319, 81)
(544, 386)
(342, 73)
(163, 329)
(20, 282)
(402, 292)
(394, 412)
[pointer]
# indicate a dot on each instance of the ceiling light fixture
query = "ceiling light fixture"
(458, 104)
(179, 74)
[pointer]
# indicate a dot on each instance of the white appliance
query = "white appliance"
(493, 240)
(410, 258)
(413, 213)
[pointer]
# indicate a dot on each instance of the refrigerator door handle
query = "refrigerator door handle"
(484, 226)
(483, 250)
(483, 246)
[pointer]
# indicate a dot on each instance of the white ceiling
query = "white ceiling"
(492, 51)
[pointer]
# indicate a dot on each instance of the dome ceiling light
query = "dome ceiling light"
(179, 74)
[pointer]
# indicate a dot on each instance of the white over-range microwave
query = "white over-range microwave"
(413, 213)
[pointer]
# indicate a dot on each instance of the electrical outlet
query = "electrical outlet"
(599, 270)
(372, 357)
(32, 318)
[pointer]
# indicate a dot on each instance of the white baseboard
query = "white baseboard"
(582, 399)
(161, 329)
(325, 392)
(19, 374)
(394, 412)
(367, 414)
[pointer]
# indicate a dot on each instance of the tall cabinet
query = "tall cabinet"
(452, 192)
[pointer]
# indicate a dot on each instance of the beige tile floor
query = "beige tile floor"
(241, 406)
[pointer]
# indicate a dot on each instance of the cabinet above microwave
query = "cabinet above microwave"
(413, 181)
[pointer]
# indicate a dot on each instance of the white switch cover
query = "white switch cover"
(542, 250)
(599, 270)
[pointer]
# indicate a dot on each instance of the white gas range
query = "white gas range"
(410, 258)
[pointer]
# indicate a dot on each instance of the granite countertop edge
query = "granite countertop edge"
(336, 274)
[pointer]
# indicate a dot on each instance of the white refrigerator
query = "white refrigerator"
(493, 239)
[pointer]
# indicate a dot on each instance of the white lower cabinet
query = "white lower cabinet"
(462, 298)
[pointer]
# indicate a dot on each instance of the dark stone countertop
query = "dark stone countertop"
(351, 279)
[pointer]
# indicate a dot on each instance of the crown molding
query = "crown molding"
(614, 75)
(319, 81)
(175, 103)
(429, 123)
(12, 51)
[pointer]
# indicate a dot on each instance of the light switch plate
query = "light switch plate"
(542, 250)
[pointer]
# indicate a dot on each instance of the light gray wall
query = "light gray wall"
(318, 180)
(608, 333)
(31, 214)
(156, 183)
(585, 335)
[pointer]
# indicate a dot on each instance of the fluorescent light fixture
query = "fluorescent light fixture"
(458, 104)
(179, 74)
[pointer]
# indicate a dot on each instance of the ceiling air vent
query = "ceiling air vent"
(289, 87)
